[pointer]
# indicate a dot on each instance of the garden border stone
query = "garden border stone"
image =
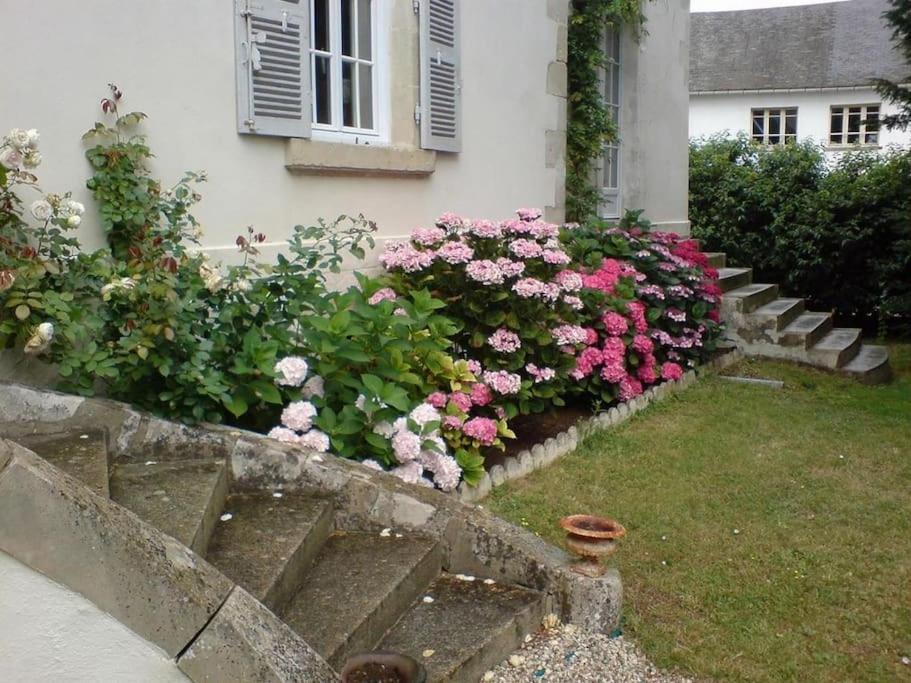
(554, 448)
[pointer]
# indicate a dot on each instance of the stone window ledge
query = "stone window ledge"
(311, 156)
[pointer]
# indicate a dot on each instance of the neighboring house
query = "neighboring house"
(795, 73)
(299, 109)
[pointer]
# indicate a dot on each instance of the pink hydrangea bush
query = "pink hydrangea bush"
(510, 285)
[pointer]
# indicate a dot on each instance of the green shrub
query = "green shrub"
(838, 234)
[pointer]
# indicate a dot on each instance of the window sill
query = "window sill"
(313, 156)
(851, 148)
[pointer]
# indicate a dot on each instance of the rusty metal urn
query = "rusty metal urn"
(592, 539)
(383, 667)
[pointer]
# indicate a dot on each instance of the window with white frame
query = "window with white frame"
(610, 166)
(854, 124)
(343, 69)
(776, 126)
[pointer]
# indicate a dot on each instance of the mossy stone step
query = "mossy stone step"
(358, 587)
(269, 541)
(182, 499)
(468, 628)
(80, 454)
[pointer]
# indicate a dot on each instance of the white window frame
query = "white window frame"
(862, 133)
(379, 135)
(766, 115)
(612, 65)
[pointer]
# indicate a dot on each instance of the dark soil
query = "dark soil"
(534, 429)
(375, 673)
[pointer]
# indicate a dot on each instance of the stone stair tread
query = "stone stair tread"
(183, 498)
(750, 290)
(81, 454)
(269, 541)
(777, 307)
(868, 358)
(806, 322)
(838, 339)
(726, 272)
(359, 585)
(470, 626)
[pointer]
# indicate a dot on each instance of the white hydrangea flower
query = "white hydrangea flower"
(425, 413)
(372, 465)
(299, 415)
(315, 440)
(283, 434)
(292, 371)
(406, 445)
(384, 429)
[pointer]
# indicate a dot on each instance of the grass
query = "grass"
(768, 531)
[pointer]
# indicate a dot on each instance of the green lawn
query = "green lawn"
(768, 531)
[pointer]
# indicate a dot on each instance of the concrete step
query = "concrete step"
(734, 278)
(749, 297)
(837, 348)
(268, 543)
(182, 499)
(358, 588)
(778, 314)
(470, 626)
(870, 365)
(83, 455)
(806, 330)
(717, 259)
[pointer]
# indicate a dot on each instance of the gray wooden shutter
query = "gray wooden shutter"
(273, 67)
(441, 73)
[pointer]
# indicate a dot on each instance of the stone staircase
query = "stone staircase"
(761, 323)
(342, 590)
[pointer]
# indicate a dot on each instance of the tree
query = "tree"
(900, 19)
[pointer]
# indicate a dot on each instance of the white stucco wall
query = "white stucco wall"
(710, 114)
(175, 61)
(49, 633)
(653, 118)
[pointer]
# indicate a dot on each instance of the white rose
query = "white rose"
(10, 158)
(74, 221)
(242, 285)
(75, 208)
(33, 137)
(32, 159)
(18, 138)
(42, 210)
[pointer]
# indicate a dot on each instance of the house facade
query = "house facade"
(300, 109)
(796, 73)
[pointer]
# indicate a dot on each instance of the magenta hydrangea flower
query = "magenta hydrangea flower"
(642, 344)
(647, 374)
(481, 429)
(671, 372)
(460, 400)
(481, 394)
(384, 294)
(630, 388)
(437, 399)
(452, 422)
(504, 341)
(614, 323)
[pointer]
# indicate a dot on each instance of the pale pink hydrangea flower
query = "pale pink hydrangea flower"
(486, 229)
(528, 287)
(428, 237)
(556, 257)
(315, 440)
(504, 341)
(283, 434)
(503, 382)
(474, 367)
(411, 472)
(299, 415)
(452, 422)
(676, 315)
(446, 471)
(574, 302)
(484, 271)
(568, 335)
(540, 374)
(406, 445)
(424, 413)
(510, 268)
(384, 294)
(526, 248)
(529, 214)
(406, 257)
(437, 399)
(292, 371)
(569, 281)
(460, 400)
(455, 252)
(451, 221)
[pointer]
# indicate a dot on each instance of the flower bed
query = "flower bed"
(417, 371)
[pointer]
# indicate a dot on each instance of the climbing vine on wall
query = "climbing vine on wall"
(589, 125)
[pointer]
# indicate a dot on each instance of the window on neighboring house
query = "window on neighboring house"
(610, 166)
(774, 126)
(342, 66)
(854, 124)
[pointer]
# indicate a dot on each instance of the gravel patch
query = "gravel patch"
(565, 654)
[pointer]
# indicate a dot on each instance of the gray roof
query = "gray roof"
(808, 46)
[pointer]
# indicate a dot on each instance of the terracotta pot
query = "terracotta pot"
(592, 539)
(383, 667)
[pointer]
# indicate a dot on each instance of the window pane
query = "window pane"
(321, 25)
(872, 138)
(615, 85)
(774, 128)
(836, 138)
(790, 125)
(615, 45)
(610, 172)
(791, 112)
(322, 90)
(348, 95)
(837, 122)
(365, 87)
(854, 119)
(364, 28)
(758, 125)
(348, 27)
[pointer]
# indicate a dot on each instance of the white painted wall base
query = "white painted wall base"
(50, 633)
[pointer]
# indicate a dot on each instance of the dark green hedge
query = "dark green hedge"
(838, 234)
